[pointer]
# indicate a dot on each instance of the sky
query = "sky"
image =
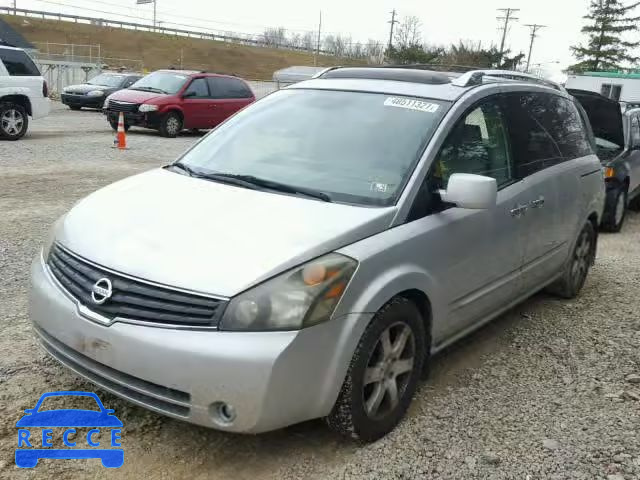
(443, 22)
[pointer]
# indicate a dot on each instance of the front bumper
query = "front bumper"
(81, 100)
(271, 379)
(145, 120)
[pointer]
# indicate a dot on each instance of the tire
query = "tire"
(171, 125)
(577, 269)
(114, 125)
(75, 107)
(615, 209)
(14, 121)
(356, 413)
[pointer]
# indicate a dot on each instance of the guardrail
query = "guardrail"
(245, 39)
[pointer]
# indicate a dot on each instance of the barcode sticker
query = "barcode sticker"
(411, 104)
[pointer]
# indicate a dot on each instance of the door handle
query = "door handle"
(519, 211)
(537, 203)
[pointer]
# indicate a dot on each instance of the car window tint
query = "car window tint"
(223, 87)
(562, 119)
(478, 144)
(18, 63)
(533, 146)
(197, 89)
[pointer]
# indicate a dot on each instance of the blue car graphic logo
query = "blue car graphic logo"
(29, 441)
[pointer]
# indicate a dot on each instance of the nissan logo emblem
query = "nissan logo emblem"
(101, 291)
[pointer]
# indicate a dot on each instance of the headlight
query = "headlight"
(95, 93)
(105, 105)
(147, 108)
(299, 298)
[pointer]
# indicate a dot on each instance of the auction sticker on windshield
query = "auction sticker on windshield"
(411, 104)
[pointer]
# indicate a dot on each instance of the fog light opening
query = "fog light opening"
(223, 413)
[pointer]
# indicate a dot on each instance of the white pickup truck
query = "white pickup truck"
(23, 93)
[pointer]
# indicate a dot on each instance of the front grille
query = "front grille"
(132, 299)
(151, 395)
(116, 106)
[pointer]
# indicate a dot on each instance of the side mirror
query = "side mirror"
(189, 95)
(109, 411)
(29, 410)
(466, 190)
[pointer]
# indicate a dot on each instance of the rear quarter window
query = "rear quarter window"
(18, 63)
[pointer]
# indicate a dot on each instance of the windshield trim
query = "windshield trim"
(365, 202)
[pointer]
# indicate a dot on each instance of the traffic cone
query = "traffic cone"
(121, 135)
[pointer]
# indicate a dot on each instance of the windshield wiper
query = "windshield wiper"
(251, 182)
(150, 89)
(277, 186)
(229, 180)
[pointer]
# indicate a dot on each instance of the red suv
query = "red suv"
(174, 100)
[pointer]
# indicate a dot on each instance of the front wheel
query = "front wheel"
(577, 269)
(383, 375)
(14, 121)
(615, 209)
(171, 125)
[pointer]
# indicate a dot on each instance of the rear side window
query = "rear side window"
(18, 63)
(223, 87)
(566, 126)
(534, 148)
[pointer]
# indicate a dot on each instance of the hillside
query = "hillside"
(157, 50)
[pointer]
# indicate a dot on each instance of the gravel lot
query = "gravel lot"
(544, 392)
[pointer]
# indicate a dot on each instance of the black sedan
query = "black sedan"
(93, 93)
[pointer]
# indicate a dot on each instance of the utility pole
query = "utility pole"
(155, 11)
(393, 21)
(534, 29)
(15, 7)
(508, 16)
(315, 57)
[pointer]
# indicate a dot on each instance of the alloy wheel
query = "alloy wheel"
(581, 259)
(12, 122)
(173, 125)
(388, 370)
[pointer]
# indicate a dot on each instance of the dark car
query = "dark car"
(173, 100)
(617, 142)
(93, 93)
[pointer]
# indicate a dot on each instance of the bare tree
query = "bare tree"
(408, 32)
(295, 40)
(308, 41)
(275, 36)
(374, 51)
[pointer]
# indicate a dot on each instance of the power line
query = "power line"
(393, 21)
(534, 29)
(508, 16)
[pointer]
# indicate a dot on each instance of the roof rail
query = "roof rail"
(481, 77)
(325, 70)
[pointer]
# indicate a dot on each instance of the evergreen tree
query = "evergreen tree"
(605, 50)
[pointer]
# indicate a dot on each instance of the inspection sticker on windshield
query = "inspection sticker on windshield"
(411, 104)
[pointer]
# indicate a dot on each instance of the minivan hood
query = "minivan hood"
(135, 96)
(605, 115)
(205, 236)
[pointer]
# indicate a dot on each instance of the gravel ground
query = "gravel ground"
(544, 392)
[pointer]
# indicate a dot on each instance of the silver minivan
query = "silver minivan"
(306, 258)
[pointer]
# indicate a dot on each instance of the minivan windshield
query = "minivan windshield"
(161, 82)
(107, 80)
(353, 147)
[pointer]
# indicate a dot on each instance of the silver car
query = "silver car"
(307, 257)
